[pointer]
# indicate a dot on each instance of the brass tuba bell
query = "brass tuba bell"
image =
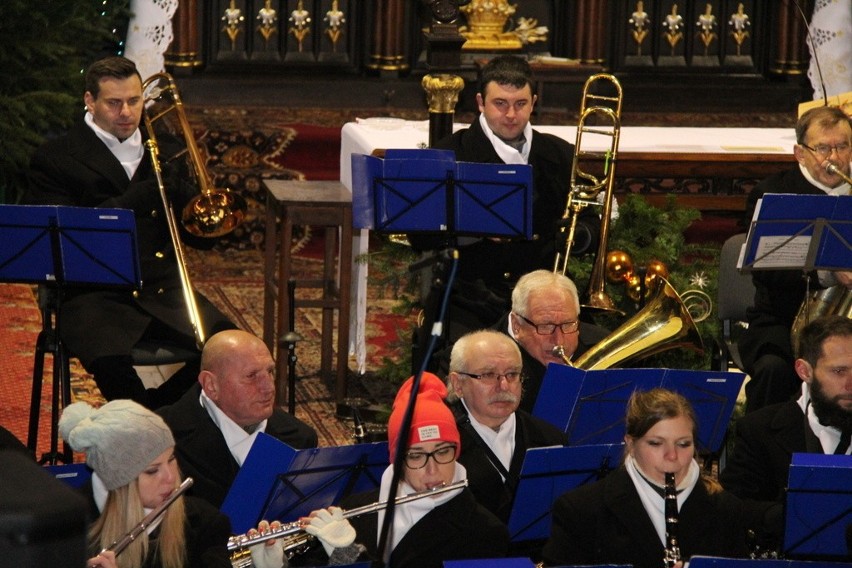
(664, 323)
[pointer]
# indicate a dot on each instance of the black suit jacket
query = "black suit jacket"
(605, 523)
(201, 449)
(500, 264)
(484, 478)
(765, 441)
(459, 529)
(77, 169)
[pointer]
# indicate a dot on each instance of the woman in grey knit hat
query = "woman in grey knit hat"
(131, 451)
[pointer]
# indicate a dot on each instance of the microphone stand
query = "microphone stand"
(289, 340)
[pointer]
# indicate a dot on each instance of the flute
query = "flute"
(244, 540)
(118, 546)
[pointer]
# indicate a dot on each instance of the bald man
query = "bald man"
(216, 422)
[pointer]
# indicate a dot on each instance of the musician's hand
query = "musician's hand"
(105, 559)
(267, 554)
(332, 530)
(844, 278)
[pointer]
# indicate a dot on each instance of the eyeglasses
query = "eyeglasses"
(549, 328)
(417, 460)
(491, 378)
(825, 150)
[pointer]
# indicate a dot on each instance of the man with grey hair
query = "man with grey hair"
(546, 315)
(485, 384)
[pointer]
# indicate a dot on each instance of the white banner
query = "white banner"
(150, 34)
(831, 33)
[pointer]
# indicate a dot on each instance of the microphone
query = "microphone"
(814, 50)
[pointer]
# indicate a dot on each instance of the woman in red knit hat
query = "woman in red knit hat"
(425, 532)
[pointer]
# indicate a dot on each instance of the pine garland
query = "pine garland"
(44, 49)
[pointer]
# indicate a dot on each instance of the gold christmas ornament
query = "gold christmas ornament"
(619, 266)
(655, 268)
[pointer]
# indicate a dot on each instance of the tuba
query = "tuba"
(587, 185)
(664, 323)
(836, 300)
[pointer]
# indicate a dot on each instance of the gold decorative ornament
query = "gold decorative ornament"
(301, 19)
(335, 18)
(268, 18)
(673, 24)
(655, 268)
(442, 92)
(738, 23)
(233, 18)
(619, 266)
(707, 23)
(639, 20)
(486, 22)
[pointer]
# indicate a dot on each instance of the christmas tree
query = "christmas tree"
(44, 49)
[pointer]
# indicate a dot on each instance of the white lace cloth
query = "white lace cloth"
(829, 29)
(150, 34)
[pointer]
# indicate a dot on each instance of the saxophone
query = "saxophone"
(672, 554)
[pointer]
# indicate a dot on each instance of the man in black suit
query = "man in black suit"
(502, 134)
(823, 136)
(546, 314)
(820, 421)
(102, 162)
(485, 383)
(216, 422)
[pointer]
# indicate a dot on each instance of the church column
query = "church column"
(387, 51)
(184, 53)
(590, 31)
(790, 49)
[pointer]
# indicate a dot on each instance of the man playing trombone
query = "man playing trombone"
(101, 162)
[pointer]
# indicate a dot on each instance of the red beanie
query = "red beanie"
(433, 420)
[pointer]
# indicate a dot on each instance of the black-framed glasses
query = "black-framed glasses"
(549, 328)
(825, 150)
(491, 378)
(417, 460)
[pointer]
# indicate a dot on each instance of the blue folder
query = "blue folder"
(428, 191)
(278, 482)
(589, 406)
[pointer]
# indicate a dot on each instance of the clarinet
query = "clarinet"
(672, 554)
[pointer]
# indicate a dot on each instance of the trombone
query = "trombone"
(212, 213)
(607, 111)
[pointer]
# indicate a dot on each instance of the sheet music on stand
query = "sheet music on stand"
(799, 232)
(589, 406)
(278, 482)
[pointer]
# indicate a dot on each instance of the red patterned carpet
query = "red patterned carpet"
(232, 279)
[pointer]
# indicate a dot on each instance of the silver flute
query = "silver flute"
(244, 540)
(118, 546)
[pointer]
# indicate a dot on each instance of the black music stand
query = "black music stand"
(589, 406)
(819, 507)
(280, 482)
(546, 474)
(60, 247)
(799, 232)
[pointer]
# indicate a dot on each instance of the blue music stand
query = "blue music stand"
(61, 247)
(278, 482)
(490, 563)
(718, 562)
(428, 191)
(799, 232)
(546, 474)
(589, 406)
(819, 507)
